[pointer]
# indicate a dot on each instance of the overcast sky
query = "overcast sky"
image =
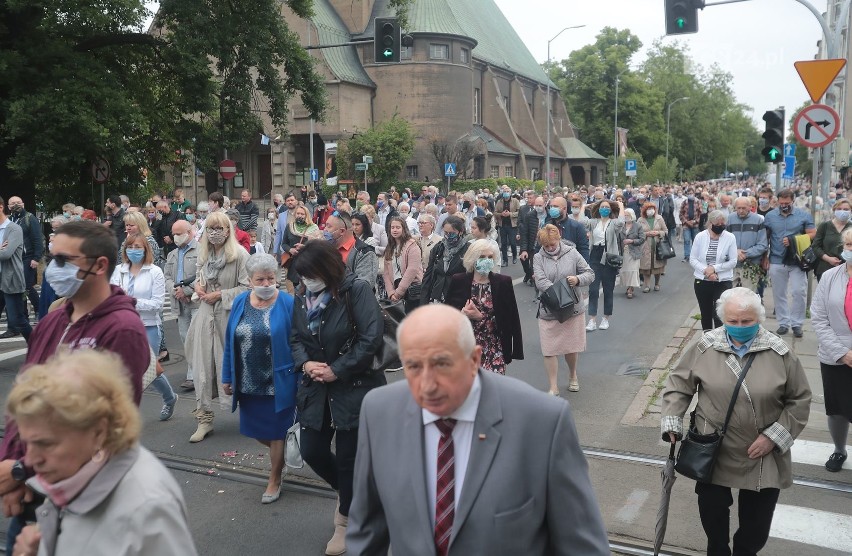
(731, 35)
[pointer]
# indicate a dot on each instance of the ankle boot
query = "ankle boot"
(205, 426)
(337, 544)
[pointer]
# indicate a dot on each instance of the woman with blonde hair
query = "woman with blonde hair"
(135, 223)
(403, 268)
(220, 276)
(81, 428)
(559, 260)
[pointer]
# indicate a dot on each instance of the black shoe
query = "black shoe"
(514, 260)
(8, 334)
(797, 331)
(504, 264)
(187, 385)
(163, 358)
(835, 462)
(782, 330)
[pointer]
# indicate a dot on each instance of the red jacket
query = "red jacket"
(320, 216)
(114, 326)
(243, 239)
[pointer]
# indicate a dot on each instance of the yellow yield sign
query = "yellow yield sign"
(817, 75)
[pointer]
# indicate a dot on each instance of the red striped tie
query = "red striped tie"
(445, 505)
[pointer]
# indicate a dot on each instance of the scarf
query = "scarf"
(450, 252)
(65, 491)
(214, 264)
(847, 305)
(300, 228)
(315, 304)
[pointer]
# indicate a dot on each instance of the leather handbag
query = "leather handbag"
(561, 300)
(612, 259)
(665, 250)
(386, 357)
(292, 448)
(698, 452)
(287, 258)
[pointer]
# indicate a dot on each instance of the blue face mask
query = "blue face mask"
(327, 235)
(190, 218)
(554, 212)
(842, 215)
(742, 334)
(604, 212)
(136, 255)
(847, 256)
(506, 195)
(380, 205)
(484, 265)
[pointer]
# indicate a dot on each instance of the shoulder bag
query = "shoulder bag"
(698, 452)
(387, 356)
(561, 300)
(612, 259)
(292, 448)
(664, 248)
(286, 257)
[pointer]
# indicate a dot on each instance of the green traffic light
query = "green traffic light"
(387, 53)
(680, 22)
(774, 154)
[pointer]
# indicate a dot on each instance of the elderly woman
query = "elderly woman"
(268, 229)
(713, 259)
(103, 490)
(655, 228)
(559, 260)
(258, 369)
(337, 329)
(220, 276)
(634, 238)
(487, 298)
(828, 245)
(606, 232)
(428, 238)
(404, 210)
(445, 260)
(402, 267)
(770, 411)
(831, 315)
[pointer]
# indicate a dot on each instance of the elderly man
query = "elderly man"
(359, 257)
(405, 213)
(459, 441)
(33, 244)
(506, 218)
(179, 272)
(752, 242)
(249, 212)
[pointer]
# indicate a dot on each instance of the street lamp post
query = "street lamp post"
(547, 118)
(615, 129)
(669, 125)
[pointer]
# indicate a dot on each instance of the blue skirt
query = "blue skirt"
(259, 420)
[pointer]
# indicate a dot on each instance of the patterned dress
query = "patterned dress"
(485, 330)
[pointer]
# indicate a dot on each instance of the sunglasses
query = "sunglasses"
(62, 259)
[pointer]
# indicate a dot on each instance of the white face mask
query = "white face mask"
(313, 285)
(181, 239)
(651, 212)
(264, 292)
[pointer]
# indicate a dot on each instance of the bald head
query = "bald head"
(181, 227)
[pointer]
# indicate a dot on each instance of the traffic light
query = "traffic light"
(682, 16)
(387, 41)
(773, 137)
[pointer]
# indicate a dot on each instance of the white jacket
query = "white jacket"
(149, 290)
(726, 255)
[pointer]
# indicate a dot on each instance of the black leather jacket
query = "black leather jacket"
(355, 376)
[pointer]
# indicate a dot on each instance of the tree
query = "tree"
(460, 152)
(391, 145)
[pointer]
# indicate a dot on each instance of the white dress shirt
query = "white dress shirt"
(465, 416)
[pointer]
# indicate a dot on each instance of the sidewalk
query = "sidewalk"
(645, 409)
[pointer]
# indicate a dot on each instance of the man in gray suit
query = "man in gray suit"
(461, 461)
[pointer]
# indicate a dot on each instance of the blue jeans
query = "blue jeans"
(688, 235)
(16, 523)
(161, 383)
(16, 312)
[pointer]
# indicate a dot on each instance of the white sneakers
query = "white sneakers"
(592, 325)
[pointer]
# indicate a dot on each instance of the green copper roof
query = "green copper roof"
(342, 61)
(497, 42)
(577, 150)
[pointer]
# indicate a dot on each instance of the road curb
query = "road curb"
(653, 384)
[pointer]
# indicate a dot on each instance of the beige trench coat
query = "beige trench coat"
(774, 400)
(650, 246)
(205, 340)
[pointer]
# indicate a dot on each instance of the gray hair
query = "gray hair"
(714, 216)
(202, 206)
(261, 262)
(403, 204)
(278, 197)
(745, 299)
(631, 212)
(432, 210)
(475, 251)
(233, 214)
(466, 339)
(424, 217)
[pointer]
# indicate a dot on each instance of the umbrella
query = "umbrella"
(668, 479)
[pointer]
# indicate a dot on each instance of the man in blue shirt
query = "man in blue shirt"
(782, 223)
(570, 229)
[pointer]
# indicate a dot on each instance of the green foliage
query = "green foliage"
(493, 183)
(391, 144)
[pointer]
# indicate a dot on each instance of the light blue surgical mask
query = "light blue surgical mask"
(135, 255)
(63, 279)
(742, 334)
(327, 235)
(554, 212)
(604, 212)
(842, 215)
(506, 194)
(190, 218)
(847, 256)
(484, 265)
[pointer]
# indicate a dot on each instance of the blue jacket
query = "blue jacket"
(284, 375)
(574, 232)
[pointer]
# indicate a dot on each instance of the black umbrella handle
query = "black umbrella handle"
(671, 451)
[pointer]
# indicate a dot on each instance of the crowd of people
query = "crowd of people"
(281, 317)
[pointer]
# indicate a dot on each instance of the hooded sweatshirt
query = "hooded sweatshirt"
(114, 326)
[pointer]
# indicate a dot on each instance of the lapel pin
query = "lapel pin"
(482, 437)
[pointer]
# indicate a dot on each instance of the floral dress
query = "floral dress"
(485, 330)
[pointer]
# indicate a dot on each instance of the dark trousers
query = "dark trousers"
(30, 276)
(603, 275)
(755, 510)
(527, 264)
(508, 236)
(16, 523)
(16, 313)
(707, 293)
(338, 468)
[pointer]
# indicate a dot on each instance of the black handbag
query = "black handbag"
(698, 452)
(561, 300)
(665, 251)
(386, 357)
(612, 259)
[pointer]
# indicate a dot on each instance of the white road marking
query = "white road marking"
(813, 527)
(12, 354)
(810, 452)
(631, 508)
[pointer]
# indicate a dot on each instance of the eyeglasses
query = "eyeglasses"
(62, 259)
(216, 228)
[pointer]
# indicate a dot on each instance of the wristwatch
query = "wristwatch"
(19, 473)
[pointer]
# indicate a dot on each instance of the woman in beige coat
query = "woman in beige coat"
(220, 277)
(655, 228)
(771, 410)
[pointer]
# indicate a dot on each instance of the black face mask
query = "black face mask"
(466, 205)
(785, 208)
(717, 228)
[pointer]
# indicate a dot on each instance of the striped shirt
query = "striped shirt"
(711, 251)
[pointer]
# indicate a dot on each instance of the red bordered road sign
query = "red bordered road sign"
(816, 125)
(100, 170)
(227, 169)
